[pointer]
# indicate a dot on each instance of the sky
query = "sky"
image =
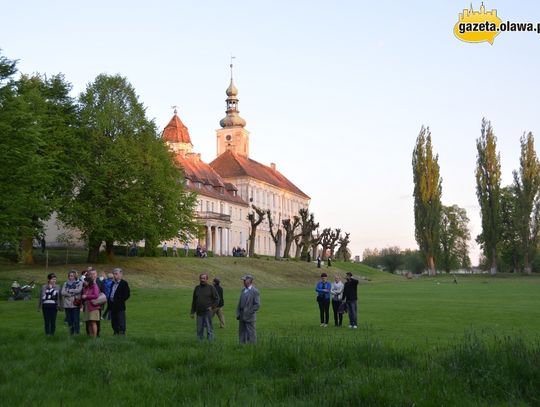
(334, 93)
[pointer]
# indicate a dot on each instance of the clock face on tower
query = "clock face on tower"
(228, 137)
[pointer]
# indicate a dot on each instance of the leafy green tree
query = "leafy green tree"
(413, 261)
(37, 123)
(427, 197)
(526, 185)
(454, 237)
(488, 191)
(391, 258)
(128, 186)
(510, 247)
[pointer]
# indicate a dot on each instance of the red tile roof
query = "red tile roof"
(176, 132)
(205, 181)
(230, 165)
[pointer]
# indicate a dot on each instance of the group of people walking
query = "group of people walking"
(208, 301)
(343, 296)
(88, 294)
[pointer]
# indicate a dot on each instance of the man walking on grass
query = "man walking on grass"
(205, 299)
(350, 298)
(248, 305)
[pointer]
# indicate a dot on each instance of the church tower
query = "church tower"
(232, 135)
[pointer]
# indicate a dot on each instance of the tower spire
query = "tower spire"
(233, 118)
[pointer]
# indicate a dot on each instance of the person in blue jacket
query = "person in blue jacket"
(323, 298)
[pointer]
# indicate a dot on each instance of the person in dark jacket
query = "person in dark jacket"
(350, 297)
(219, 309)
(205, 299)
(119, 295)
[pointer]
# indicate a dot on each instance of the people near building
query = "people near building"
(107, 285)
(328, 261)
(165, 249)
(205, 299)
(246, 311)
(71, 301)
(350, 297)
(319, 261)
(323, 288)
(175, 249)
(219, 309)
(91, 311)
(337, 296)
(120, 293)
(49, 303)
(186, 248)
(133, 250)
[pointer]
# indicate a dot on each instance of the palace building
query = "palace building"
(228, 186)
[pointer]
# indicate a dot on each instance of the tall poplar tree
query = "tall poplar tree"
(526, 187)
(427, 197)
(488, 191)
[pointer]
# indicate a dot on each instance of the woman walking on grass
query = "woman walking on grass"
(71, 296)
(49, 303)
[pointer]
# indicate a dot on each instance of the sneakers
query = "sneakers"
(350, 326)
(322, 325)
(355, 327)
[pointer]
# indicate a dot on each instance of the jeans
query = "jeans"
(73, 319)
(352, 310)
(324, 309)
(49, 317)
(202, 321)
(338, 318)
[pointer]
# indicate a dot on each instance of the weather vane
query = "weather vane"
(232, 57)
(174, 107)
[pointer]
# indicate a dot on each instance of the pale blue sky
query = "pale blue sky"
(333, 92)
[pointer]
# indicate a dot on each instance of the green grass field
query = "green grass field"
(420, 342)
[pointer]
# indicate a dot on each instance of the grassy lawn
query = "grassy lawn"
(425, 341)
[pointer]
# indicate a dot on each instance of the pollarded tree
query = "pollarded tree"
(343, 251)
(526, 187)
(427, 197)
(128, 187)
(454, 238)
(255, 219)
(276, 237)
(329, 239)
(488, 191)
(291, 229)
(307, 226)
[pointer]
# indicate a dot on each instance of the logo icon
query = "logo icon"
(478, 26)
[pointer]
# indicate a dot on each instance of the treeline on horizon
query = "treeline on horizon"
(510, 214)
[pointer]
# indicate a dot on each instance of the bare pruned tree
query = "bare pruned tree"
(343, 252)
(329, 239)
(255, 218)
(315, 242)
(276, 237)
(290, 234)
(308, 225)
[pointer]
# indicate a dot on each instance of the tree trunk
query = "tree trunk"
(314, 251)
(109, 250)
(278, 242)
(27, 257)
(431, 266)
(298, 250)
(93, 253)
(286, 252)
(251, 249)
(493, 270)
